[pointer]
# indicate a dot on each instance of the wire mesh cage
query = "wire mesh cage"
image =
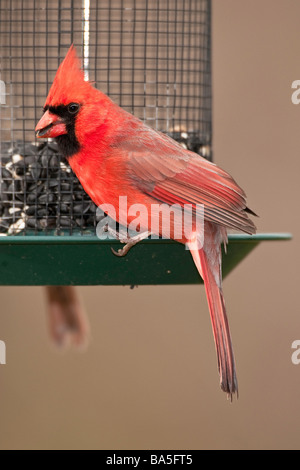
(153, 58)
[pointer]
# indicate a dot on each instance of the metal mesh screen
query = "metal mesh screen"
(151, 57)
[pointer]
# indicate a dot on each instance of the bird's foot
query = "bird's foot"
(130, 242)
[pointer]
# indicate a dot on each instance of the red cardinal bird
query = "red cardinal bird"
(115, 154)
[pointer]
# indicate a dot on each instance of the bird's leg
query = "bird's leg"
(130, 242)
(120, 235)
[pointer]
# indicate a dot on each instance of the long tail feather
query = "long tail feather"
(212, 281)
(67, 318)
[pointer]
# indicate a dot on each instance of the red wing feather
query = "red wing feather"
(163, 169)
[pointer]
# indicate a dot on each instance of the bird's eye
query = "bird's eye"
(73, 108)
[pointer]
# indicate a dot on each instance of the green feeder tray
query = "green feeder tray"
(36, 260)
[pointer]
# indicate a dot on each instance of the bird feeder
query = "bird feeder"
(154, 60)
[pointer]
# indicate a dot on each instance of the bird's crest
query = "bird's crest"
(69, 84)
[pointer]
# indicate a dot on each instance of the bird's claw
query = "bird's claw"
(130, 243)
(123, 251)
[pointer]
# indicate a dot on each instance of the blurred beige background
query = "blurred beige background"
(149, 378)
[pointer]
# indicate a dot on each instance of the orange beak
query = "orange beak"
(50, 125)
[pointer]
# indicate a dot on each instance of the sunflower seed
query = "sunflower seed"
(35, 170)
(33, 223)
(48, 198)
(64, 209)
(66, 222)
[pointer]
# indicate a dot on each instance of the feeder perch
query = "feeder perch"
(154, 60)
